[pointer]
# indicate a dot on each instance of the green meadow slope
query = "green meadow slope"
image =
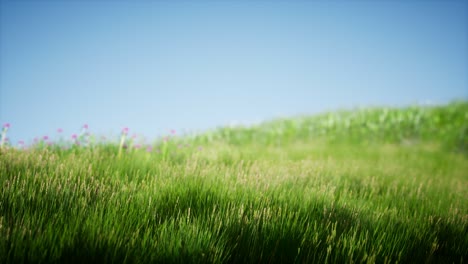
(374, 185)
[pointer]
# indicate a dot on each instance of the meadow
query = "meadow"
(374, 185)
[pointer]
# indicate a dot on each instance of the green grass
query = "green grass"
(374, 185)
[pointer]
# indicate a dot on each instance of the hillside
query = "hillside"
(370, 185)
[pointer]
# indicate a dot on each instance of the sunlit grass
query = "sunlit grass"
(378, 185)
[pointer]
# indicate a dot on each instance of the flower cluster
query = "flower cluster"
(167, 146)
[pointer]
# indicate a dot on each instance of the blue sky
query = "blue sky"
(153, 66)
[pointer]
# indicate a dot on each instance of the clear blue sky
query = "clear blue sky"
(160, 65)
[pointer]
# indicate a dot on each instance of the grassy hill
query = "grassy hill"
(372, 185)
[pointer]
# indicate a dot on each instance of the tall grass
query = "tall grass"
(446, 125)
(376, 185)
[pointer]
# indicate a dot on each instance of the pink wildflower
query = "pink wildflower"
(74, 136)
(85, 126)
(45, 137)
(137, 146)
(6, 125)
(173, 131)
(125, 130)
(59, 130)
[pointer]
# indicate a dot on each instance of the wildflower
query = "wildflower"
(149, 148)
(45, 138)
(85, 126)
(173, 131)
(59, 130)
(74, 136)
(21, 144)
(122, 144)
(137, 146)
(3, 137)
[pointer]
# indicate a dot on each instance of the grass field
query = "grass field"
(365, 186)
